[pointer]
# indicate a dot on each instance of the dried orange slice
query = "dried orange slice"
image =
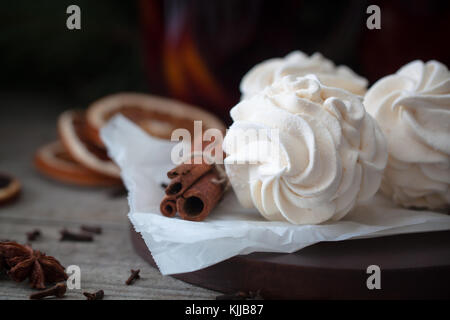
(72, 131)
(54, 161)
(156, 115)
(9, 188)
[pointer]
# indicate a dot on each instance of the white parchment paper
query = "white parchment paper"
(182, 246)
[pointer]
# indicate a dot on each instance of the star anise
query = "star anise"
(24, 262)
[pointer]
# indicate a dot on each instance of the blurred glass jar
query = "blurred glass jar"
(198, 50)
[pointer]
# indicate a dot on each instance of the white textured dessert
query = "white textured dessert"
(298, 63)
(412, 108)
(330, 152)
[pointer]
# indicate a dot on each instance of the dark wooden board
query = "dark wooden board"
(413, 266)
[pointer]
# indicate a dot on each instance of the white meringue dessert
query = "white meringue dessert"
(329, 155)
(298, 63)
(412, 108)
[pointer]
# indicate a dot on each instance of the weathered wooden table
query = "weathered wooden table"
(26, 122)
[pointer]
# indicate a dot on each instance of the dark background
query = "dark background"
(125, 45)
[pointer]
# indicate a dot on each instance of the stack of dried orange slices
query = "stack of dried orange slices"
(80, 157)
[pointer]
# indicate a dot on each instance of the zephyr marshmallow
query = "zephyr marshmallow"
(321, 152)
(297, 64)
(412, 108)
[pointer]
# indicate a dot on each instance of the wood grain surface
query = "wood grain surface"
(28, 121)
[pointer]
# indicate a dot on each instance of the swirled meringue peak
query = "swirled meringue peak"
(317, 151)
(298, 64)
(412, 108)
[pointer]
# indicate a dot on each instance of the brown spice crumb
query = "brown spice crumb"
(119, 192)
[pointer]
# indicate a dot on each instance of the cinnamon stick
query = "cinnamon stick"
(198, 201)
(195, 189)
(184, 176)
(183, 168)
(168, 206)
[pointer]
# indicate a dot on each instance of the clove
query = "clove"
(33, 235)
(67, 235)
(134, 276)
(91, 229)
(59, 290)
(94, 296)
